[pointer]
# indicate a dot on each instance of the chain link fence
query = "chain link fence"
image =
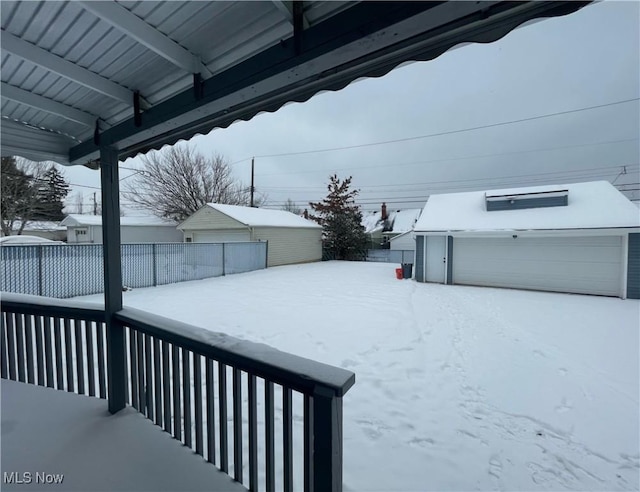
(70, 270)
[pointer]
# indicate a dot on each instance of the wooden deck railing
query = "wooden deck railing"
(270, 419)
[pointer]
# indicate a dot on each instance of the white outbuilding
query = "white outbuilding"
(83, 229)
(578, 238)
(290, 238)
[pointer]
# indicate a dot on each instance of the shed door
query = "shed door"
(221, 237)
(436, 258)
(583, 265)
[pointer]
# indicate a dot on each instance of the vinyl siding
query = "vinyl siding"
(633, 267)
(208, 218)
(221, 236)
(150, 234)
(128, 234)
(290, 245)
(405, 242)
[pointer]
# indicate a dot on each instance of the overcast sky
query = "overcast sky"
(590, 58)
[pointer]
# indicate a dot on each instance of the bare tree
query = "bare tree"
(290, 206)
(178, 181)
(20, 198)
(77, 203)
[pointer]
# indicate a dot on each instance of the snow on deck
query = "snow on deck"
(457, 388)
(52, 432)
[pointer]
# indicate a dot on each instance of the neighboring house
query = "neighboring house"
(291, 239)
(580, 238)
(41, 228)
(405, 241)
(381, 226)
(88, 229)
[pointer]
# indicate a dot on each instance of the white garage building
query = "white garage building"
(83, 229)
(579, 238)
(291, 239)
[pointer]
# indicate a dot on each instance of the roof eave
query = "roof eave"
(368, 39)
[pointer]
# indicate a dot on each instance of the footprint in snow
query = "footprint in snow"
(467, 433)
(348, 363)
(372, 429)
(564, 406)
(421, 442)
(495, 467)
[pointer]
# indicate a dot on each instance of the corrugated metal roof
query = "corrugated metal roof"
(67, 65)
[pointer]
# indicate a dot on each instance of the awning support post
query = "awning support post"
(112, 277)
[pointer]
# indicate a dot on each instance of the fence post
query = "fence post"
(327, 440)
(223, 261)
(155, 264)
(266, 254)
(39, 269)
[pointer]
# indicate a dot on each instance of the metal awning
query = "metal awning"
(137, 75)
(84, 81)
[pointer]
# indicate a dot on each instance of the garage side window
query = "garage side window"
(81, 232)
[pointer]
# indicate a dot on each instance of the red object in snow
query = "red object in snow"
(399, 273)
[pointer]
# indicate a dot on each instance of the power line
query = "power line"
(42, 180)
(450, 159)
(570, 174)
(450, 132)
(406, 199)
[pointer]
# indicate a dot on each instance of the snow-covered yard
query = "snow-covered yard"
(458, 388)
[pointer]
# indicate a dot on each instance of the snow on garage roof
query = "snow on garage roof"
(75, 220)
(404, 220)
(38, 225)
(262, 217)
(372, 222)
(597, 204)
(400, 221)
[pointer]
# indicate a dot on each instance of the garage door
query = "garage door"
(221, 237)
(584, 265)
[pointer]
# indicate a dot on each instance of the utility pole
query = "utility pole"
(252, 187)
(95, 204)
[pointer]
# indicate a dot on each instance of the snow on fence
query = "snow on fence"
(68, 270)
(391, 255)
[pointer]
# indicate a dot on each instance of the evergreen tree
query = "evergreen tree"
(16, 196)
(52, 190)
(341, 220)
